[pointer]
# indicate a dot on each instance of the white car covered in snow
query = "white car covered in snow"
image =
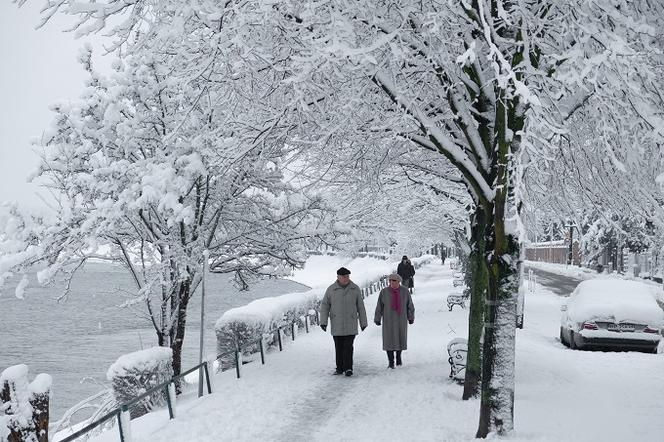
(612, 314)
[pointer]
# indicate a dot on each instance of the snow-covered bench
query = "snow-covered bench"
(456, 299)
(457, 349)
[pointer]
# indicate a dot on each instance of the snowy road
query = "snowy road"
(563, 285)
(561, 395)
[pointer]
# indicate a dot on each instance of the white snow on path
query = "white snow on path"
(561, 395)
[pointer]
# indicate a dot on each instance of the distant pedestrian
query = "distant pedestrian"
(394, 310)
(344, 305)
(406, 270)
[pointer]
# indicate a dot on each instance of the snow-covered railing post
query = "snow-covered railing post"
(238, 361)
(40, 391)
(293, 325)
(202, 369)
(260, 343)
(207, 376)
(124, 424)
(169, 391)
(25, 405)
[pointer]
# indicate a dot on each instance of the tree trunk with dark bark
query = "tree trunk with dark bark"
(177, 340)
(497, 399)
(478, 280)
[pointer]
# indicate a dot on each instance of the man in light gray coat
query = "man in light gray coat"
(344, 305)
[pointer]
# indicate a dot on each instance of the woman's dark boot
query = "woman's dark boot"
(390, 359)
(399, 357)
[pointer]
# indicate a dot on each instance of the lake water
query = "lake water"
(75, 341)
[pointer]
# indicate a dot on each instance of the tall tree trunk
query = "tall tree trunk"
(497, 399)
(502, 258)
(478, 279)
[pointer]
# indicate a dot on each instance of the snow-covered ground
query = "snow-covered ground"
(563, 269)
(561, 394)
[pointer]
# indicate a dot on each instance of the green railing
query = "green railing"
(167, 387)
(122, 415)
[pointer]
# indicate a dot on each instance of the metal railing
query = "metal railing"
(122, 412)
(122, 415)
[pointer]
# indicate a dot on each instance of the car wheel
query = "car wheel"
(562, 338)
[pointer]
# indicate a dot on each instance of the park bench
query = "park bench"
(458, 279)
(457, 349)
(456, 299)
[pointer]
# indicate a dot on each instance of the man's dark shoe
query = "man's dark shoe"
(349, 372)
(336, 372)
(399, 363)
(391, 365)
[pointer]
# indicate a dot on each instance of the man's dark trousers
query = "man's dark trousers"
(343, 346)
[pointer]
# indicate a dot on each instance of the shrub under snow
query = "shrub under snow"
(242, 327)
(135, 373)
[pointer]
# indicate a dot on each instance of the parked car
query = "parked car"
(611, 313)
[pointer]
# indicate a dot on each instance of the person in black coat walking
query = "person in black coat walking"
(406, 270)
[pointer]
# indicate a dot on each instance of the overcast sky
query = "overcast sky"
(37, 68)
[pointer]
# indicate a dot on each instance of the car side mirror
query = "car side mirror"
(563, 308)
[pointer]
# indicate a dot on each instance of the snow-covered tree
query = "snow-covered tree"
(487, 85)
(151, 172)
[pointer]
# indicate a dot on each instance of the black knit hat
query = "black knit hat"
(343, 271)
(404, 257)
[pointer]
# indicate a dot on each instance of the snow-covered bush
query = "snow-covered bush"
(135, 373)
(243, 327)
(24, 405)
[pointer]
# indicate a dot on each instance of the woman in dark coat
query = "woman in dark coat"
(394, 310)
(406, 270)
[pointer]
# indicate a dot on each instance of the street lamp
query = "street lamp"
(570, 224)
(206, 256)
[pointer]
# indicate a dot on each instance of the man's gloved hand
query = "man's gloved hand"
(324, 327)
(377, 322)
(410, 321)
(363, 327)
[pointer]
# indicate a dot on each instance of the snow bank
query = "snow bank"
(563, 269)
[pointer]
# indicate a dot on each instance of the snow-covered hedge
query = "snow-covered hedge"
(244, 326)
(135, 373)
(24, 406)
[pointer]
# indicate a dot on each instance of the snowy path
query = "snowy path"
(561, 395)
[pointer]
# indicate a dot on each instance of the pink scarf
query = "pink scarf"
(396, 299)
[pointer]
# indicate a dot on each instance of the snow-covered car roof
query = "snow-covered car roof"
(617, 300)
